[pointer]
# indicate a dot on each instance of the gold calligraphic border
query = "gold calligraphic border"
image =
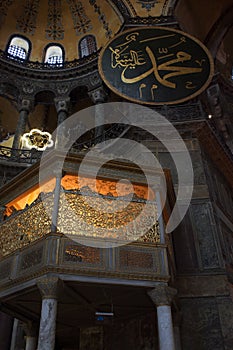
(198, 92)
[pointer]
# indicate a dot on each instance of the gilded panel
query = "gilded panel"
(24, 227)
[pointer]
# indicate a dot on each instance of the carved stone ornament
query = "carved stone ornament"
(98, 95)
(62, 104)
(26, 104)
(63, 89)
(28, 88)
(162, 295)
(48, 287)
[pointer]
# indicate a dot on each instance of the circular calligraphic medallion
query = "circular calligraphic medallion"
(156, 65)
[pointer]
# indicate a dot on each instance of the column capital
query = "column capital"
(48, 287)
(62, 104)
(58, 172)
(26, 104)
(98, 95)
(30, 329)
(162, 295)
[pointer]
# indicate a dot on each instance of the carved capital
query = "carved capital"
(26, 104)
(98, 95)
(63, 89)
(162, 295)
(58, 172)
(62, 104)
(28, 88)
(30, 329)
(48, 287)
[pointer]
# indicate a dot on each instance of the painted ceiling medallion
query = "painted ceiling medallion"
(37, 139)
(156, 65)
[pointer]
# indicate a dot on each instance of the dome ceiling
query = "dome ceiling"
(66, 21)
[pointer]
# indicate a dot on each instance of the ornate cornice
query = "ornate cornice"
(169, 21)
(42, 71)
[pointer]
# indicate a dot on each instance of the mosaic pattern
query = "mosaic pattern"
(24, 227)
(26, 23)
(4, 5)
(55, 29)
(82, 24)
(147, 4)
(32, 259)
(82, 254)
(152, 236)
(102, 18)
(135, 259)
(131, 7)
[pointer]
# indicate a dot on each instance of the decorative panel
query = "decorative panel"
(82, 24)
(5, 268)
(24, 227)
(31, 259)
(4, 5)
(26, 22)
(101, 17)
(201, 327)
(136, 259)
(104, 217)
(80, 254)
(55, 29)
(205, 232)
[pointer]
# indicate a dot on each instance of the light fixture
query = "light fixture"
(40, 140)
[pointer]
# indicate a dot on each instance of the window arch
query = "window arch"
(87, 45)
(54, 55)
(19, 48)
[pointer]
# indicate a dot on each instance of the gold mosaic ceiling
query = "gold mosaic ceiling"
(67, 21)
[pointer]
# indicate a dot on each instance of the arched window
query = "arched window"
(54, 55)
(87, 46)
(18, 48)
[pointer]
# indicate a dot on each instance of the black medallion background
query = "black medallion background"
(156, 65)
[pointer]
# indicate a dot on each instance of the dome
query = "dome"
(66, 23)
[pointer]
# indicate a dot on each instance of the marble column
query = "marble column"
(14, 334)
(30, 343)
(62, 107)
(47, 332)
(98, 97)
(31, 336)
(24, 109)
(162, 296)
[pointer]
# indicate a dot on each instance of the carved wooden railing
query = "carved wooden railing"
(57, 254)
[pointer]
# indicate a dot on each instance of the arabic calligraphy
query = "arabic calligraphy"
(149, 63)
